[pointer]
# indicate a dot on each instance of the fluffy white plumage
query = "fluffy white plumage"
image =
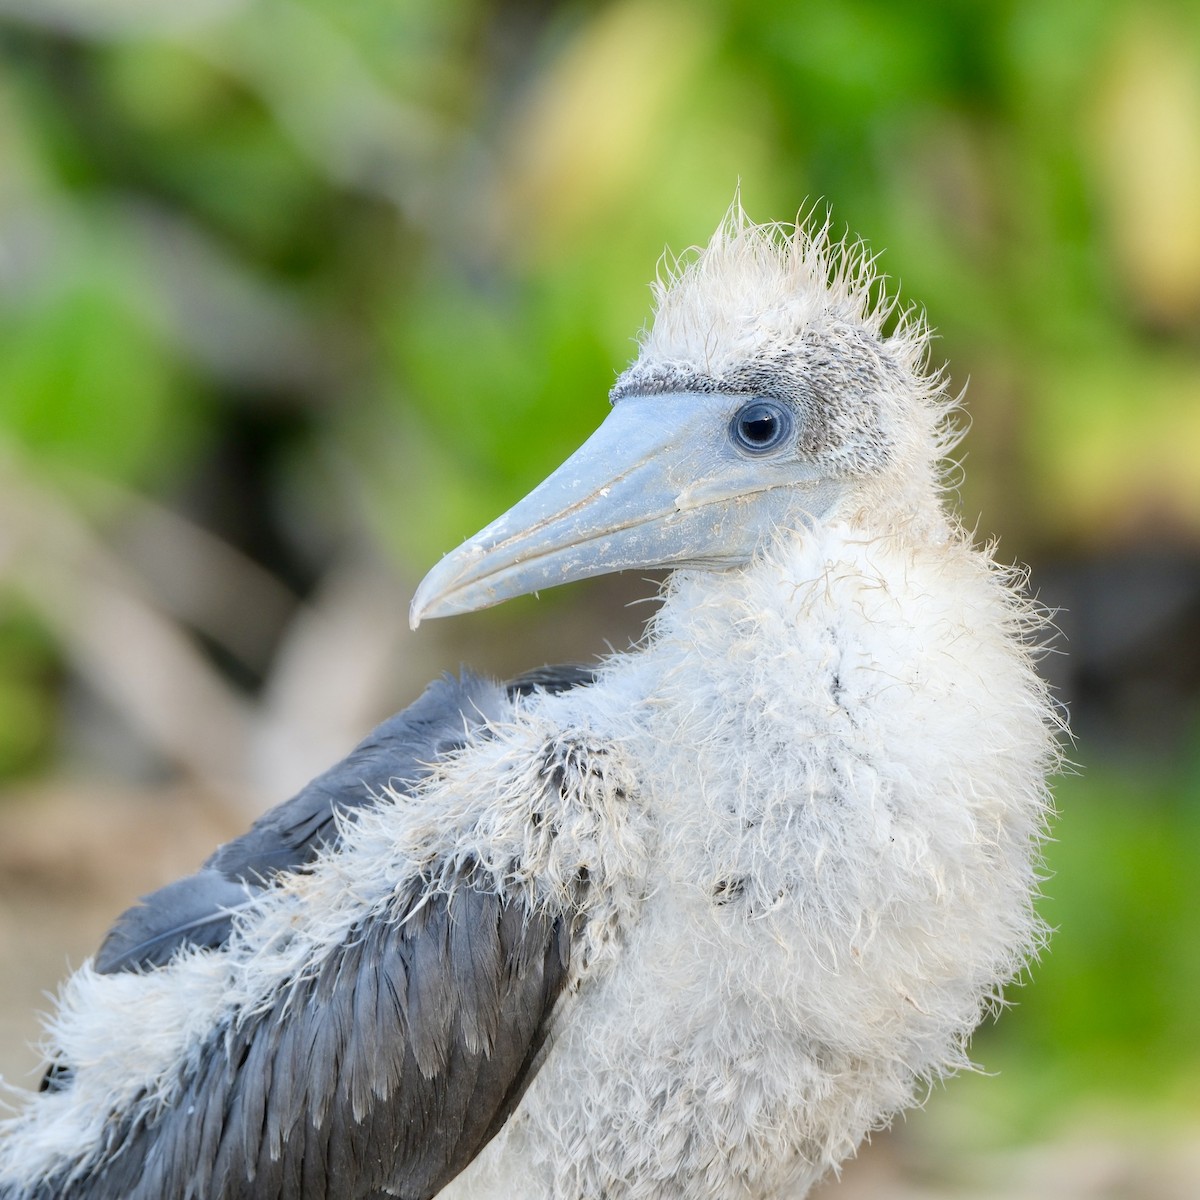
(808, 806)
(873, 796)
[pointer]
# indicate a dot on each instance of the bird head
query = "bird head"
(767, 397)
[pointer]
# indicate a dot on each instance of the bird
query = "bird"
(691, 921)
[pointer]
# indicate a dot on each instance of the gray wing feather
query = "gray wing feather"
(196, 911)
(397, 754)
(193, 911)
(385, 1071)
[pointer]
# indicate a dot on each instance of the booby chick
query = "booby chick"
(687, 925)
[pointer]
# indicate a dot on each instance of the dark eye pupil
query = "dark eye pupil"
(759, 426)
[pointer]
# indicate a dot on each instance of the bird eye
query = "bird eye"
(760, 426)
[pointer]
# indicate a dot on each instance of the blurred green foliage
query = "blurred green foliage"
(393, 252)
(1110, 1010)
(27, 692)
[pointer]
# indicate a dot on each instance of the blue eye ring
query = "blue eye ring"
(760, 426)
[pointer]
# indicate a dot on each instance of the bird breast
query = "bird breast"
(842, 778)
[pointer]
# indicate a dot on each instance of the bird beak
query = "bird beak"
(656, 485)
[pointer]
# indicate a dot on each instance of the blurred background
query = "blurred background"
(296, 294)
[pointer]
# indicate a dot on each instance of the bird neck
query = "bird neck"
(812, 573)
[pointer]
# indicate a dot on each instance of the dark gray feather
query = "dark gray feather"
(386, 1069)
(193, 911)
(397, 755)
(323, 1095)
(561, 677)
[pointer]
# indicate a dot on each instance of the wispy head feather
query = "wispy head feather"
(756, 287)
(792, 311)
